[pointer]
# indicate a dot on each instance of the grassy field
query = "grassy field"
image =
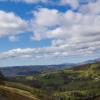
(77, 83)
(11, 93)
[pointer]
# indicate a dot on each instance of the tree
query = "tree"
(2, 79)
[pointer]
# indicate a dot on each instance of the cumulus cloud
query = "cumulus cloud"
(52, 52)
(11, 24)
(54, 24)
(16, 53)
(70, 31)
(81, 5)
(92, 7)
(28, 53)
(73, 3)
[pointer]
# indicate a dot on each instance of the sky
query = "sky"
(39, 32)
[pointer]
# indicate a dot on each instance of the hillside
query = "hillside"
(9, 93)
(81, 82)
(13, 71)
(13, 93)
(78, 83)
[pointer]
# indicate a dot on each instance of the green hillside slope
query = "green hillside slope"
(77, 83)
(11, 93)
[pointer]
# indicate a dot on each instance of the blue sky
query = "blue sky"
(34, 32)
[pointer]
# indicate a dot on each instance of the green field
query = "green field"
(77, 83)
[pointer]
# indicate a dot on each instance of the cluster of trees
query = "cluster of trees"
(2, 79)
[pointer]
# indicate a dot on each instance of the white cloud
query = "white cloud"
(73, 3)
(52, 52)
(92, 7)
(71, 32)
(16, 53)
(83, 5)
(54, 24)
(11, 24)
(13, 38)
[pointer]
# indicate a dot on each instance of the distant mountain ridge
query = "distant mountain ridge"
(91, 61)
(32, 69)
(14, 71)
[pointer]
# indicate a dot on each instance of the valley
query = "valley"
(81, 82)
